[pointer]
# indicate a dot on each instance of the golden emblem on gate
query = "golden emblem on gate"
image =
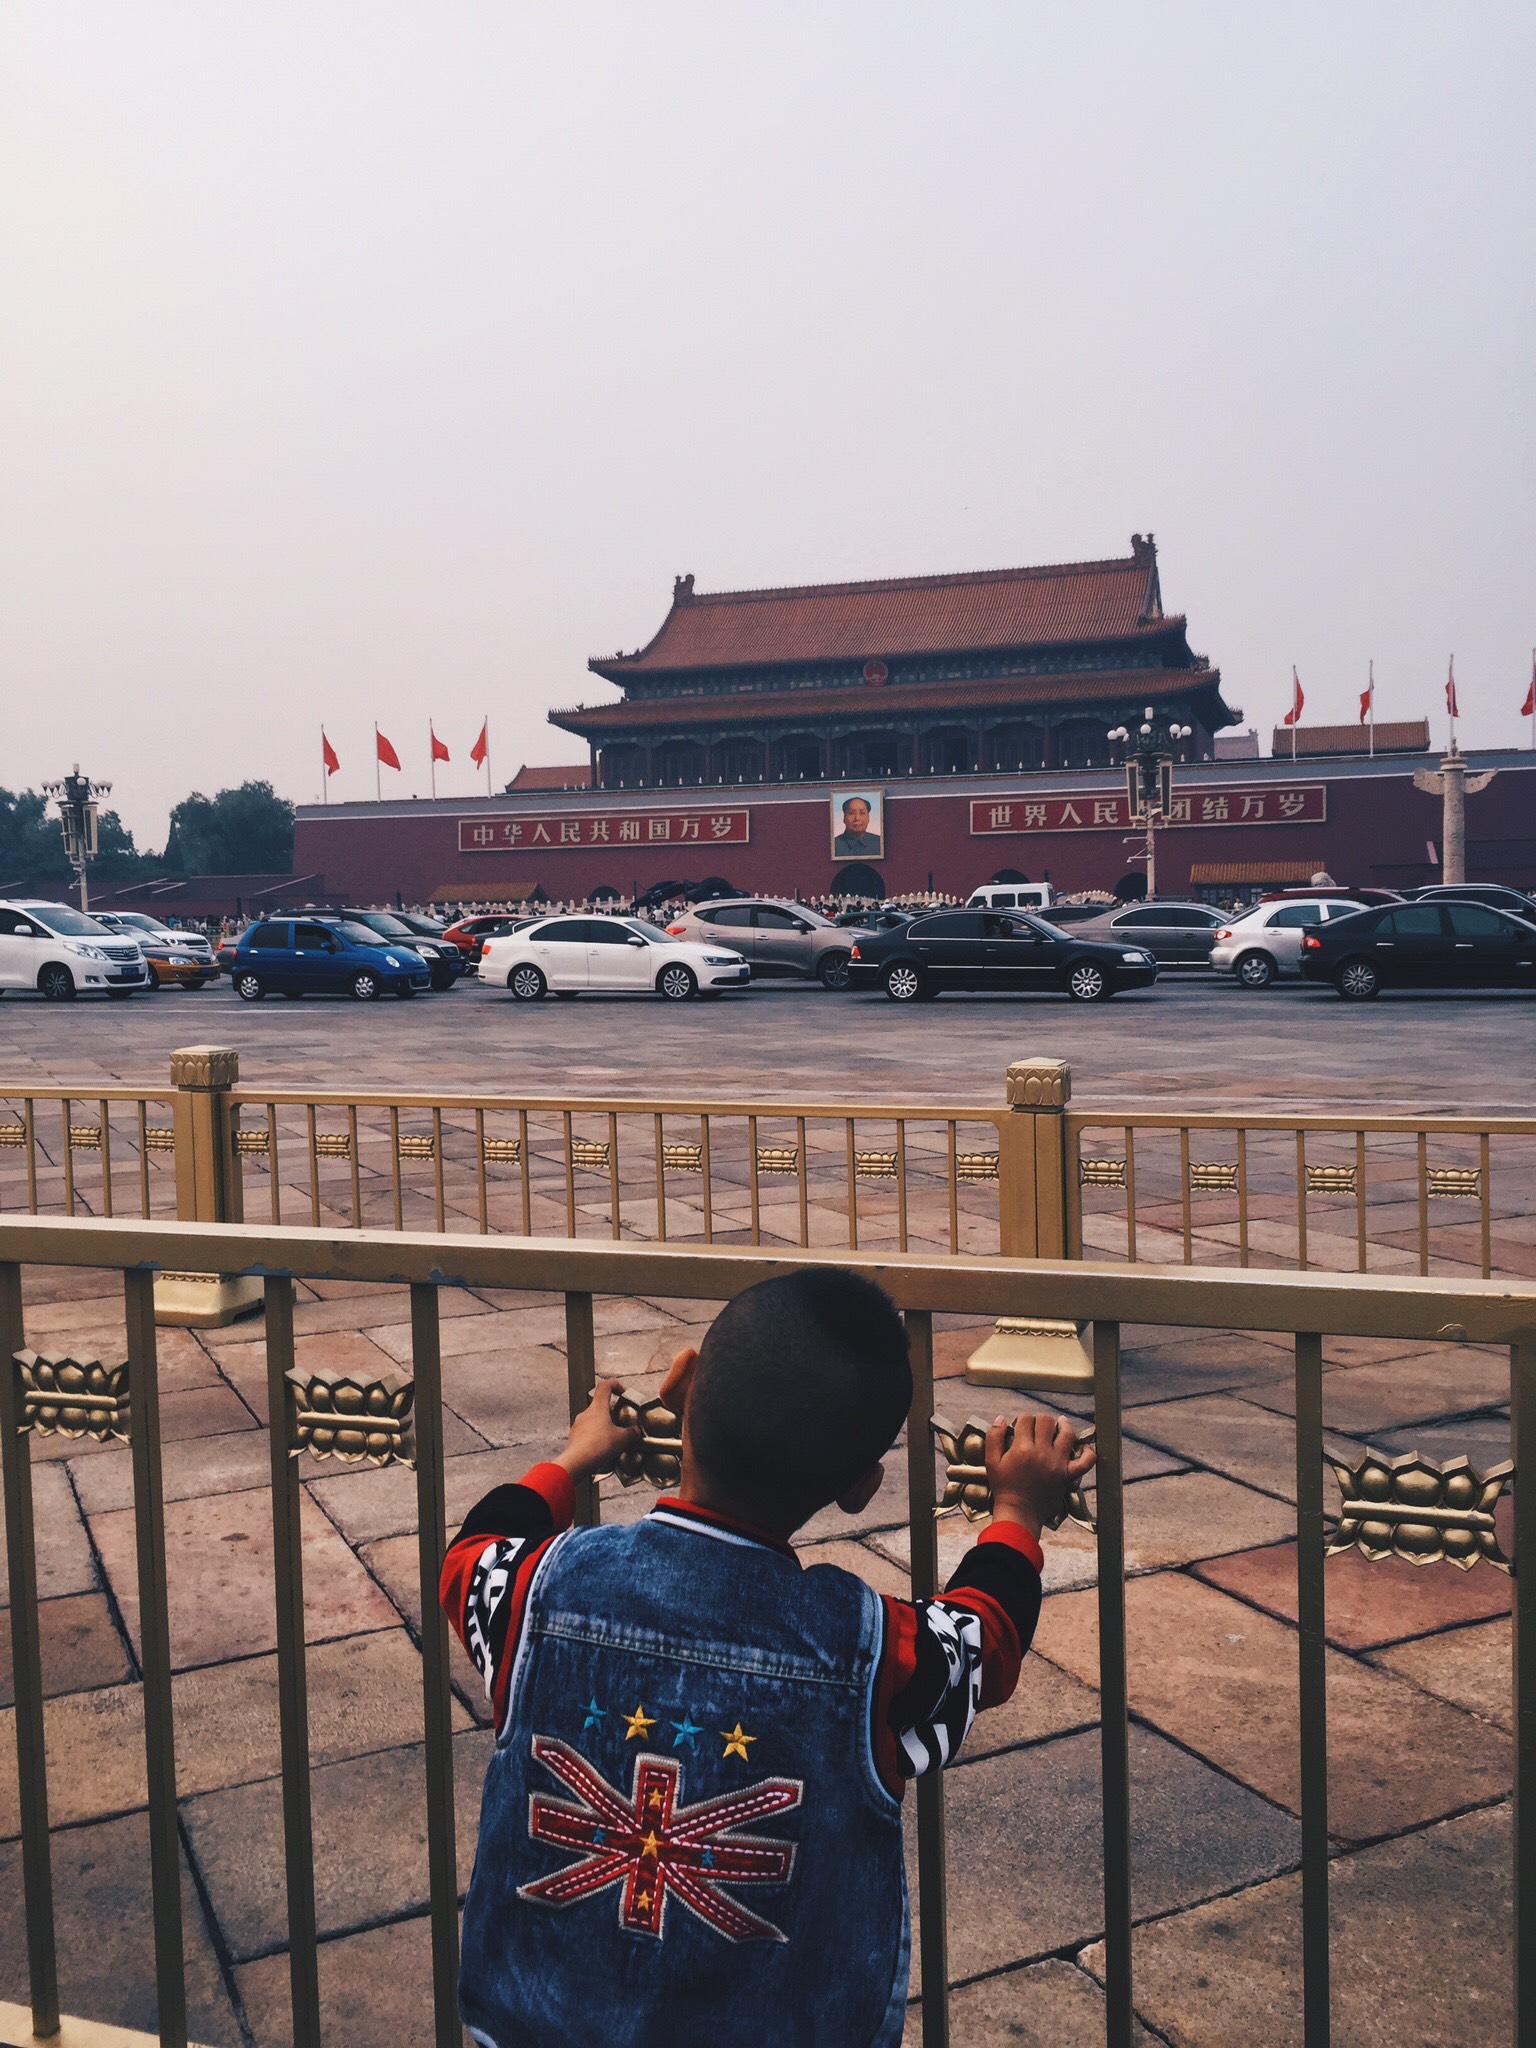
(1410, 1507)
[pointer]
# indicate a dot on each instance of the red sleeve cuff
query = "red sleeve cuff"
(1015, 1535)
(555, 1487)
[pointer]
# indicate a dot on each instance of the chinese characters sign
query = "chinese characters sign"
(1303, 803)
(588, 829)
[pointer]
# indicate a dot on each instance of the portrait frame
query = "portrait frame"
(860, 836)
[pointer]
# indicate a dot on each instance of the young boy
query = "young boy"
(691, 1827)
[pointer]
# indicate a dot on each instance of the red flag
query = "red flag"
(1528, 708)
(387, 754)
(1450, 690)
(1293, 716)
(439, 751)
(482, 746)
(1367, 699)
(328, 754)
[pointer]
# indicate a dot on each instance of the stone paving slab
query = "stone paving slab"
(370, 1832)
(1470, 1667)
(1365, 1604)
(219, 1577)
(1221, 1678)
(1233, 1437)
(105, 1933)
(80, 1645)
(1025, 1854)
(375, 1991)
(1422, 1950)
(395, 1562)
(1451, 1380)
(64, 1561)
(1045, 2005)
(235, 1462)
(364, 1695)
(367, 1502)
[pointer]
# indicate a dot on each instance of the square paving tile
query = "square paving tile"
(1365, 1604)
(81, 1647)
(1470, 1667)
(1221, 1678)
(1046, 2005)
(1231, 1436)
(233, 1462)
(375, 1991)
(519, 1398)
(1026, 1861)
(106, 1937)
(1362, 1399)
(219, 1576)
(64, 1561)
(370, 1834)
(366, 1502)
(395, 1563)
(1421, 1949)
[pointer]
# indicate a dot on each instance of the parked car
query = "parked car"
(1175, 934)
(1010, 896)
(60, 952)
(1266, 942)
(775, 937)
(1496, 895)
(1001, 950)
(570, 954)
(888, 919)
(182, 958)
(435, 930)
(1421, 945)
(469, 934)
(304, 956)
(445, 962)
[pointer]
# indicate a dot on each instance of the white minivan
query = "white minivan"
(53, 948)
(1012, 896)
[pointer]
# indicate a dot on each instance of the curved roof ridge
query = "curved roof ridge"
(949, 579)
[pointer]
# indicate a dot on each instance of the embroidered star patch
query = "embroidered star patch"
(639, 1723)
(736, 1740)
(595, 1713)
(653, 1847)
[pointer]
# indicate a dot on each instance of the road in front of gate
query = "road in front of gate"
(1197, 1040)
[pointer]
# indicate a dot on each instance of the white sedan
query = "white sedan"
(568, 954)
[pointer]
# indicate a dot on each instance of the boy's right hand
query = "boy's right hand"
(596, 1439)
(1032, 1474)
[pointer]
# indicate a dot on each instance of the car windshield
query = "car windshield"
(141, 923)
(1035, 924)
(649, 932)
(387, 926)
(68, 923)
(423, 925)
(360, 935)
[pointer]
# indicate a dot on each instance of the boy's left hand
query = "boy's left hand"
(596, 1439)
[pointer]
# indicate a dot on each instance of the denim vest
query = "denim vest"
(683, 1838)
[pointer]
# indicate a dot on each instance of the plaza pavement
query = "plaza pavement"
(1419, 1691)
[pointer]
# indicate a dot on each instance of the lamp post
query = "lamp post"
(1149, 756)
(76, 798)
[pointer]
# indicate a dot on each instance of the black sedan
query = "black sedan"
(989, 949)
(1437, 944)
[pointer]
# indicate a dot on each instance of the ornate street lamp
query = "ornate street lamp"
(1149, 756)
(76, 798)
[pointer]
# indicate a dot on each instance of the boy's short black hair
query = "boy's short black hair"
(803, 1383)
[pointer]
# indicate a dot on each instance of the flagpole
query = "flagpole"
(378, 789)
(1450, 700)
(325, 780)
(432, 757)
(1373, 709)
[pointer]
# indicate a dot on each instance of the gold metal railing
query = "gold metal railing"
(1430, 1511)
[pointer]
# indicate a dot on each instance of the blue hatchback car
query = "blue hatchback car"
(293, 957)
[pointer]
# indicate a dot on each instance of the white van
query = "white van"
(1012, 896)
(52, 948)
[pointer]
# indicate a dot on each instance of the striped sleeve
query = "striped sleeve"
(490, 1566)
(945, 1659)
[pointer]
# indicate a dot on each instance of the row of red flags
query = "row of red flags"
(1368, 696)
(388, 758)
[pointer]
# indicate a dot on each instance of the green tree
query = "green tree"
(244, 831)
(32, 845)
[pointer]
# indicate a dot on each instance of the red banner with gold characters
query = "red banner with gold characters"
(594, 830)
(1300, 803)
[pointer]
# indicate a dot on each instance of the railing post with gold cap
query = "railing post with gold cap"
(1032, 1157)
(207, 1185)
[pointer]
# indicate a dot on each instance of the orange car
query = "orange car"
(175, 959)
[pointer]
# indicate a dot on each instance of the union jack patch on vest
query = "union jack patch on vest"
(653, 1847)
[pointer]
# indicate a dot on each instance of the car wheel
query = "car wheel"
(527, 984)
(1357, 981)
(1087, 983)
(365, 986)
(833, 971)
(677, 983)
(903, 983)
(1254, 970)
(56, 983)
(248, 986)
(154, 979)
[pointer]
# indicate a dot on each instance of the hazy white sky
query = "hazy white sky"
(383, 360)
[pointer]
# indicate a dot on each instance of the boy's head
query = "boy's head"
(800, 1387)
